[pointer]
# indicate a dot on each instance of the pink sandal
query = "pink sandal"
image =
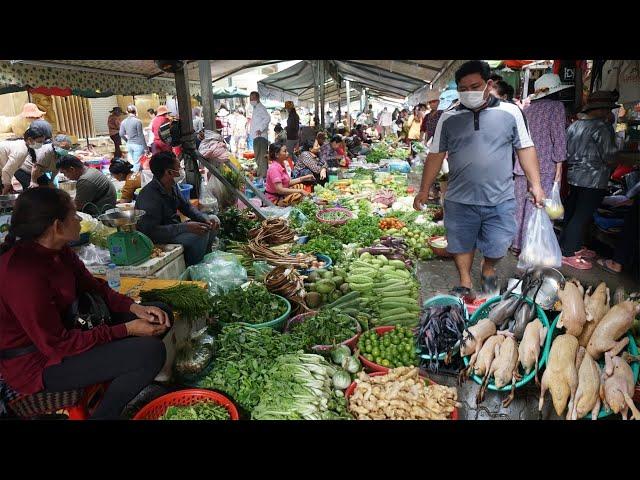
(586, 253)
(577, 262)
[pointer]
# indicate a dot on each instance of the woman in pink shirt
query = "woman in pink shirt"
(278, 180)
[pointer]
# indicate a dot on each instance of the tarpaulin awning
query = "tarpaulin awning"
(229, 92)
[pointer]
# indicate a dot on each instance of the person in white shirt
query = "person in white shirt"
(385, 121)
(13, 153)
(238, 126)
(259, 131)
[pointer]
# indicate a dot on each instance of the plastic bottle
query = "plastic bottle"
(113, 277)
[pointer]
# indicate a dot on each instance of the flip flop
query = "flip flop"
(465, 293)
(577, 262)
(602, 264)
(586, 253)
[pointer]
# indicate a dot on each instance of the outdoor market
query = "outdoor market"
(320, 239)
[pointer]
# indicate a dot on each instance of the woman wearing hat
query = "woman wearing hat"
(547, 126)
(591, 153)
(162, 117)
(32, 114)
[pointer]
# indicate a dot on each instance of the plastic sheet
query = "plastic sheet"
(222, 271)
(540, 246)
(277, 212)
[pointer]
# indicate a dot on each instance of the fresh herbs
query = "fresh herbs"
(189, 300)
(308, 208)
(364, 231)
(325, 244)
(197, 411)
(235, 225)
(327, 327)
(253, 304)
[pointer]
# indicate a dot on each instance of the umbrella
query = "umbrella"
(229, 92)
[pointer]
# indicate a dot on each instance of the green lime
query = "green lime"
(385, 363)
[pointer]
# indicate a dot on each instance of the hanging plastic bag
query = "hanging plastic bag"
(540, 247)
(93, 255)
(553, 206)
(145, 177)
(208, 203)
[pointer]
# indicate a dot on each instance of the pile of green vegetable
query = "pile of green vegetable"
(254, 304)
(396, 348)
(308, 208)
(299, 387)
(235, 225)
(388, 286)
(244, 356)
(325, 244)
(189, 300)
(379, 151)
(327, 327)
(197, 411)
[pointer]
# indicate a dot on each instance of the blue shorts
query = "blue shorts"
(488, 229)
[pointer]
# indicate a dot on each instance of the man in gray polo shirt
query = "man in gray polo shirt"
(479, 136)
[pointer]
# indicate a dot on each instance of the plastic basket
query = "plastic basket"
(348, 216)
(185, 190)
(352, 388)
(632, 348)
(483, 312)
(351, 342)
(443, 301)
(275, 324)
(321, 258)
(372, 366)
(158, 407)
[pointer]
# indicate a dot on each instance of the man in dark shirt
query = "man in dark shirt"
(160, 199)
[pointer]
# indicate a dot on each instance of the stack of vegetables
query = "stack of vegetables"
(389, 286)
(254, 304)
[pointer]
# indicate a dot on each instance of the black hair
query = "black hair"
(120, 166)
(336, 139)
(342, 131)
(68, 161)
(473, 66)
(32, 133)
(277, 128)
(36, 209)
(503, 88)
(161, 162)
(151, 110)
(274, 150)
(495, 77)
(306, 145)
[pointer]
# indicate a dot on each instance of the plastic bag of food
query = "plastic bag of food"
(220, 270)
(277, 212)
(208, 203)
(553, 205)
(194, 357)
(93, 255)
(261, 270)
(540, 246)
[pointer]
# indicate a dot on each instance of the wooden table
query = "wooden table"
(131, 286)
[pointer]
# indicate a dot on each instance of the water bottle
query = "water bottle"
(113, 277)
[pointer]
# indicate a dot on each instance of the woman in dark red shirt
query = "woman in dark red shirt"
(42, 278)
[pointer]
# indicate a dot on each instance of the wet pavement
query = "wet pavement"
(439, 276)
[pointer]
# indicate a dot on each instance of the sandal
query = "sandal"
(577, 262)
(489, 285)
(467, 294)
(586, 253)
(603, 264)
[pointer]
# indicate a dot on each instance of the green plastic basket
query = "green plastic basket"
(632, 348)
(443, 301)
(275, 324)
(483, 312)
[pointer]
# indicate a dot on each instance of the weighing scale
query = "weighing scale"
(127, 246)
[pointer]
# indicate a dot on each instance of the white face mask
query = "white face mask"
(473, 99)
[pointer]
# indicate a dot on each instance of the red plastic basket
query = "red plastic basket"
(348, 216)
(157, 408)
(351, 343)
(371, 366)
(352, 388)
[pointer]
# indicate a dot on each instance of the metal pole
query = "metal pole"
(322, 96)
(187, 139)
(314, 64)
(207, 94)
(348, 105)
(338, 116)
(579, 85)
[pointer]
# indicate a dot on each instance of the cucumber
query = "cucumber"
(392, 312)
(399, 264)
(398, 273)
(398, 293)
(360, 279)
(360, 288)
(345, 299)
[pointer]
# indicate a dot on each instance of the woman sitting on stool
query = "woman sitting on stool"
(37, 351)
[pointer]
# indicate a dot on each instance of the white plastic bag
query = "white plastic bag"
(92, 255)
(553, 205)
(146, 177)
(540, 246)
